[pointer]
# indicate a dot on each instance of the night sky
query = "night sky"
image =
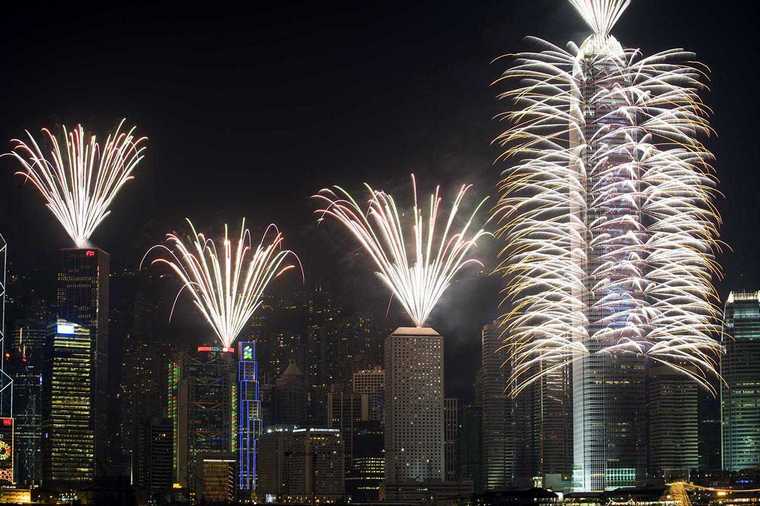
(250, 111)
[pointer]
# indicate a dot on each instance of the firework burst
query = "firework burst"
(608, 206)
(227, 286)
(79, 179)
(419, 280)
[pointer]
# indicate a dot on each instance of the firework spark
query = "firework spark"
(228, 288)
(420, 281)
(608, 207)
(79, 181)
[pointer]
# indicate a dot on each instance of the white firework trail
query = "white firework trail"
(78, 178)
(608, 207)
(417, 279)
(227, 286)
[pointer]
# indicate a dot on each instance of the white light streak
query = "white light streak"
(608, 206)
(419, 280)
(226, 288)
(80, 179)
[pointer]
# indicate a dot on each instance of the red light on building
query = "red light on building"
(90, 253)
(216, 348)
(7, 422)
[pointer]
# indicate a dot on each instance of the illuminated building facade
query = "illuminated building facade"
(216, 477)
(301, 465)
(740, 394)
(451, 429)
(367, 470)
(7, 448)
(249, 413)
(202, 401)
(414, 431)
(82, 297)
(68, 444)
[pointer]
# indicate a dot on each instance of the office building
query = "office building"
(202, 402)
(249, 416)
(367, 470)
(672, 408)
(27, 398)
(740, 394)
(301, 465)
(289, 397)
(498, 451)
(216, 479)
(611, 234)
(153, 456)
(371, 382)
(414, 430)
(68, 424)
(82, 298)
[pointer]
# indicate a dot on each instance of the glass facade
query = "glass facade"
(68, 430)
(740, 394)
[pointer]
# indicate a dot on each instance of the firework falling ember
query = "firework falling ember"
(80, 179)
(417, 281)
(228, 288)
(608, 206)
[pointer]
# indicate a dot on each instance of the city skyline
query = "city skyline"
(557, 326)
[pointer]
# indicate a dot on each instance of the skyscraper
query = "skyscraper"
(610, 231)
(414, 432)
(740, 394)
(68, 444)
(498, 451)
(7, 447)
(249, 416)
(83, 298)
(202, 400)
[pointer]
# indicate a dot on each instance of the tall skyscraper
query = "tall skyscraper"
(249, 416)
(68, 444)
(414, 432)
(498, 450)
(83, 298)
(202, 403)
(610, 231)
(740, 394)
(672, 409)
(27, 393)
(7, 449)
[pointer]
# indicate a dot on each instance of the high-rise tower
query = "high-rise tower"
(414, 432)
(740, 394)
(610, 226)
(68, 445)
(83, 298)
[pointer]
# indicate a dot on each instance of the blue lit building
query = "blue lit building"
(249, 415)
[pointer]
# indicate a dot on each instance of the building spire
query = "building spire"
(600, 15)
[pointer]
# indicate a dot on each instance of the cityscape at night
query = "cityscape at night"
(490, 253)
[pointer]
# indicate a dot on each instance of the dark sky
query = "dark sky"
(251, 110)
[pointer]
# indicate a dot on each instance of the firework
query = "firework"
(417, 281)
(227, 286)
(80, 179)
(608, 207)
